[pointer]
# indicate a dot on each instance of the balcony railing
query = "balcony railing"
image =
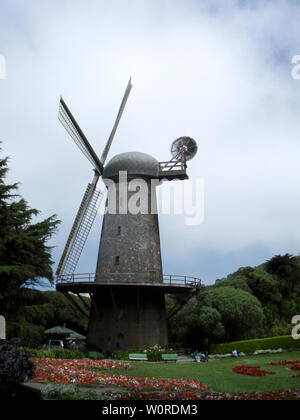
(116, 278)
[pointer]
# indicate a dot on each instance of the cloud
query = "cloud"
(219, 73)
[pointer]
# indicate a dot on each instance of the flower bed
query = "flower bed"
(295, 365)
(284, 363)
(208, 395)
(86, 372)
(82, 372)
(251, 371)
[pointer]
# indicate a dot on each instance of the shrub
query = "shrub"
(31, 335)
(15, 368)
(66, 392)
(124, 354)
(250, 346)
(96, 355)
(56, 354)
(155, 353)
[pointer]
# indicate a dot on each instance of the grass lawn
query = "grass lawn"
(219, 377)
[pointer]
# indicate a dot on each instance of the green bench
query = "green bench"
(170, 357)
(142, 356)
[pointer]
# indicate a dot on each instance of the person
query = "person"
(234, 353)
(196, 356)
(72, 344)
(204, 357)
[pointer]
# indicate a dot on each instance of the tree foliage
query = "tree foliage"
(252, 302)
(276, 284)
(43, 310)
(217, 314)
(238, 310)
(286, 270)
(25, 257)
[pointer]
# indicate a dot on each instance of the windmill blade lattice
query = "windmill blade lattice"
(80, 230)
(92, 197)
(120, 113)
(70, 124)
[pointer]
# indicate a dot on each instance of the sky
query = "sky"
(220, 72)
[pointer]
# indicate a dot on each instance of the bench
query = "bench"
(142, 356)
(170, 357)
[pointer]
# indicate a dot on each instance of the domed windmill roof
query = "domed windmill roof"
(135, 163)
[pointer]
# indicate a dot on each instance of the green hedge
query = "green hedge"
(124, 354)
(249, 346)
(56, 353)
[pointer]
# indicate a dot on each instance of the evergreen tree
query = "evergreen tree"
(24, 256)
(286, 269)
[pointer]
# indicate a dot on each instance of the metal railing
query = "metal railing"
(112, 278)
(172, 165)
(184, 280)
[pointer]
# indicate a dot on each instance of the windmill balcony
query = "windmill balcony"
(115, 278)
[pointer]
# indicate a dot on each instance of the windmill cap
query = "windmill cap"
(135, 163)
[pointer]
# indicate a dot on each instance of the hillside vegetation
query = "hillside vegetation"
(253, 302)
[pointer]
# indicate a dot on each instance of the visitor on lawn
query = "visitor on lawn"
(234, 353)
(196, 356)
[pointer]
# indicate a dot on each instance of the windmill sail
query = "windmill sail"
(81, 228)
(111, 137)
(92, 198)
(68, 121)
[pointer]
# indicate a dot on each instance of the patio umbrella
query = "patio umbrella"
(77, 336)
(64, 332)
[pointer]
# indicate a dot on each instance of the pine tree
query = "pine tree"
(25, 257)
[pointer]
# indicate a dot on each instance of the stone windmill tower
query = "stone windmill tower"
(128, 288)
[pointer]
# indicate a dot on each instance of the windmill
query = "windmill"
(128, 288)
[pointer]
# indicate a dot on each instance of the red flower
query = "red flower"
(89, 372)
(284, 363)
(251, 371)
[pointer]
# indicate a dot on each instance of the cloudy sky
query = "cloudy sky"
(218, 71)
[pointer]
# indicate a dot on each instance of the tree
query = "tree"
(217, 314)
(264, 286)
(239, 311)
(181, 327)
(238, 280)
(287, 270)
(210, 324)
(24, 256)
